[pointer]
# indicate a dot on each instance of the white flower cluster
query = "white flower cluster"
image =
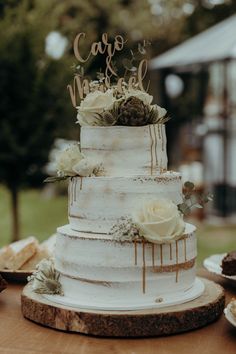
(125, 230)
(71, 162)
(97, 102)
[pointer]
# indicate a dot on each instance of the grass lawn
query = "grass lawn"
(40, 215)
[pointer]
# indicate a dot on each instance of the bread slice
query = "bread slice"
(40, 254)
(21, 251)
(5, 253)
(45, 250)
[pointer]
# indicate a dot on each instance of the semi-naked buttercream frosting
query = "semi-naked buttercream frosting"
(126, 151)
(100, 270)
(95, 203)
(97, 268)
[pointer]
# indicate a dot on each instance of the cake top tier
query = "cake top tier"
(122, 130)
(126, 151)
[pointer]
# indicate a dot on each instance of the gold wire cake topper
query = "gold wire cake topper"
(81, 86)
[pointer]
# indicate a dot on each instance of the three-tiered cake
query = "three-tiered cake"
(126, 251)
(99, 269)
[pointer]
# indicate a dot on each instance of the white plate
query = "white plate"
(213, 264)
(229, 315)
(146, 303)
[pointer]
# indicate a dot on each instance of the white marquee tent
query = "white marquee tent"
(215, 44)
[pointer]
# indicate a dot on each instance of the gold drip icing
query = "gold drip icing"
(135, 252)
(170, 245)
(172, 267)
(144, 268)
(72, 190)
(161, 254)
(185, 250)
(162, 140)
(75, 183)
(177, 260)
(85, 280)
(159, 133)
(151, 148)
(153, 255)
(155, 150)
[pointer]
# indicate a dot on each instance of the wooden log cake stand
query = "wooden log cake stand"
(139, 323)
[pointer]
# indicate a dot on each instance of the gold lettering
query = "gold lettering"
(132, 81)
(76, 48)
(109, 67)
(82, 87)
(97, 48)
(119, 84)
(119, 43)
(142, 71)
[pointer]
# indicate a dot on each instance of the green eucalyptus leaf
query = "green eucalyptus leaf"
(55, 179)
(184, 208)
(127, 64)
(141, 49)
(193, 199)
(197, 205)
(210, 197)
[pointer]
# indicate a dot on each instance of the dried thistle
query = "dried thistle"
(45, 280)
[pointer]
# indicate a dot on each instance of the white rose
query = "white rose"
(95, 102)
(159, 221)
(161, 111)
(84, 167)
(142, 95)
(67, 159)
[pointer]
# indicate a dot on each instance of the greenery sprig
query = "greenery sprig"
(53, 179)
(130, 64)
(192, 199)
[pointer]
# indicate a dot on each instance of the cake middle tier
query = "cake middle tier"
(96, 203)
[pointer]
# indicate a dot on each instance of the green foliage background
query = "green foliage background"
(34, 104)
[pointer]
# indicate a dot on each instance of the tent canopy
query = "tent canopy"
(214, 44)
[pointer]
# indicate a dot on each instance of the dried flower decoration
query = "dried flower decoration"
(125, 230)
(192, 199)
(130, 64)
(45, 280)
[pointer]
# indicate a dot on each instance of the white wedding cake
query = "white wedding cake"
(126, 245)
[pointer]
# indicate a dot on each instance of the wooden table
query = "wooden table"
(18, 335)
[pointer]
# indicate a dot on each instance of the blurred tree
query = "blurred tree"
(29, 105)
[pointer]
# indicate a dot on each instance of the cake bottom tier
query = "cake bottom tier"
(103, 272)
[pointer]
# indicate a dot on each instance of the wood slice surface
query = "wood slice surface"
(140, 323)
